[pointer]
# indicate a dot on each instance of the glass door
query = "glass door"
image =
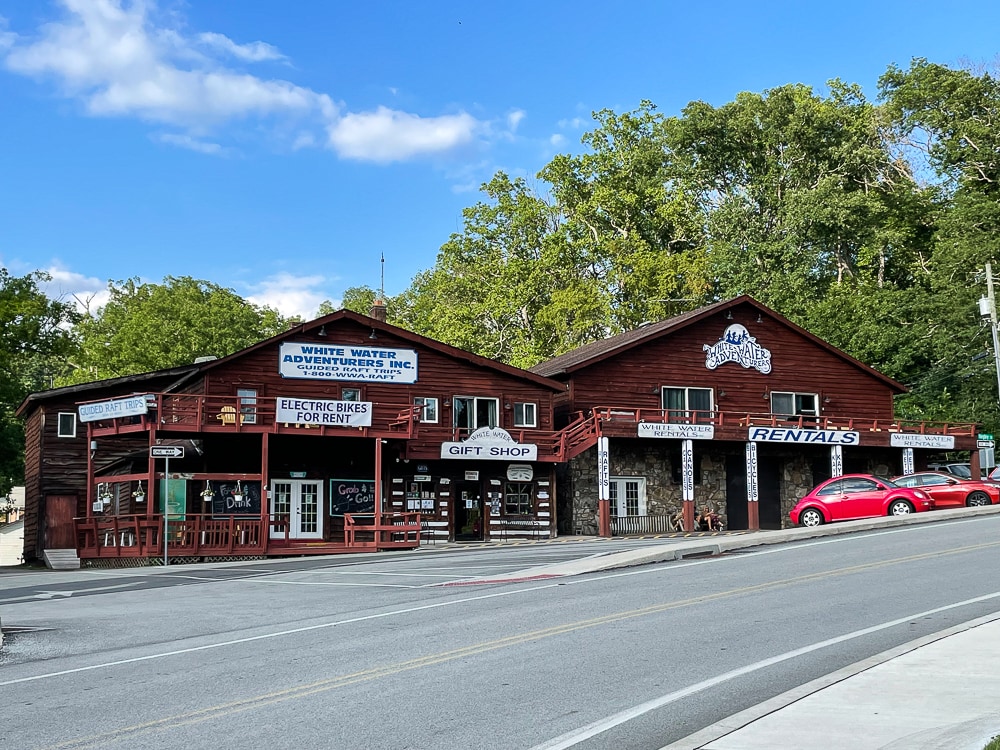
(300, 502)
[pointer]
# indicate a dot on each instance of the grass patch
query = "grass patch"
(994, 744)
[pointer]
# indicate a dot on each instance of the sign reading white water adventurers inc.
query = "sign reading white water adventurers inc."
(490, 444)
(737, 345)
(347, 362)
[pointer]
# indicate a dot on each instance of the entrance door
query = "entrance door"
(301, 502)
(468, 513)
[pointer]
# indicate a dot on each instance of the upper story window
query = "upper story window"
(350, 394)
(473, 412)
(686, 404)
(794, 404)
(429, 413)
(66, 426)
(525, 415)
(248, 405)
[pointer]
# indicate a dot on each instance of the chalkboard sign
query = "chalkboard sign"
(224, 503)
(352, 496)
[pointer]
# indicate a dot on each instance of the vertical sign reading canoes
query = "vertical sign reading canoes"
(687, 470)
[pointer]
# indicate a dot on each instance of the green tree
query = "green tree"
(35, 346)
(145, 327)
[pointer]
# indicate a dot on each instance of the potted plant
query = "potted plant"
(139, 494)
(208, 493)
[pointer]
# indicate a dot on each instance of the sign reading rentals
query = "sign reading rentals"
(347, 362)
(323, 412)
(491, 444)
(791, 435)
(118, 407)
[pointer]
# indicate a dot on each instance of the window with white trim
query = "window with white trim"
(248, 405)
(429, 413)
(525, 415)
(66, 426)
(791, 404)
(473, 412)
(687, 404)
(517, 499)
(628, 496)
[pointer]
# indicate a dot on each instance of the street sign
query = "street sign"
(166, 451)
(985, 444)
(985, 436)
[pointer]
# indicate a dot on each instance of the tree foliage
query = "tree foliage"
(35, 343)
(145, 327)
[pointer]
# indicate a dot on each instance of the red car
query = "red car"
(857, 496)
(949, 491)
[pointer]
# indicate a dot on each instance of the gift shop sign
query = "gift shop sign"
(347, 362)
(323, 412)
(118, 407)
(490, 444)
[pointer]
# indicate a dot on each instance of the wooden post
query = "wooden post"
(265, 503)
(378, 489)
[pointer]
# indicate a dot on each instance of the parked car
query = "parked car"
(857, 496)
(994, 476)
(949, 491)
(959, 469)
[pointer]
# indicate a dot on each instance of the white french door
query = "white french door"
(301, 502)
(628, 496)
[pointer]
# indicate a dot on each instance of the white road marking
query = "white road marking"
(65, 593)
(598, 727)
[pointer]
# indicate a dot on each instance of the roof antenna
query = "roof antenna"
(381, 290)
(378, 310)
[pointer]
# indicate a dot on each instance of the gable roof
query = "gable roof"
(172, 376)
(564, 365)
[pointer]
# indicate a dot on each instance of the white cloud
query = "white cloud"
(557, 139)
(514, 119)
(290, 295)
(122, 58)
(252, 52)
(86, 292)
(574, 123)
(193, 144)
(388, 135)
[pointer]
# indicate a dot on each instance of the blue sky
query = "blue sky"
(279, 148)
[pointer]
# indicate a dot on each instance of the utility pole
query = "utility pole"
(990, 309)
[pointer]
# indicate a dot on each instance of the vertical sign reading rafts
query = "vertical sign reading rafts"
(603, 469)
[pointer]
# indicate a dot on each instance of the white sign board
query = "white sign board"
(687, 470)
(520, 473)
(347, 362)
(794, 435)
(679, 431)
(490, 444)
(753, 491)
(323, 412)
(166, 451)
(908, 460)
(910, 440)
(836, 460)
(118, 407)
(603, 469)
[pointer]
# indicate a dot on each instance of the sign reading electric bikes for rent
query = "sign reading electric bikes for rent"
(347, 362)
(323, 412)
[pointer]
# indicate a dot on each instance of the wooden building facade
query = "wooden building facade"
(346, 433)
(341, 434)
(730, 408)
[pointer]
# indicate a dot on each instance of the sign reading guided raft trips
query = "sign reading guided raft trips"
(347, 362)
(352, 496)
(236, 498)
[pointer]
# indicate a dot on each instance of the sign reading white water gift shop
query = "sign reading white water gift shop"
(490, 444)
(347, 362)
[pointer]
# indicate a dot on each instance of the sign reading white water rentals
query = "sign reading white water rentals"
(322, 412)
(117, 407)
(908, 440)
(792, 435)
(347, 362)
(682, 431)
(491, 444)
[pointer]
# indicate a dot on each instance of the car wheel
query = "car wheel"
(977, 498)
(810, 517)
(900, 508)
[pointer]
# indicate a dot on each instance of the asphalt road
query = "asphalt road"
(401, 651)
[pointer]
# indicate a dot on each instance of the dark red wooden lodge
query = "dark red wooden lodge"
(347, 433)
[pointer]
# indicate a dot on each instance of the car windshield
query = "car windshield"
(887, 482)
(961, 470)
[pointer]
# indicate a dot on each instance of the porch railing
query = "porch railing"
(656, 524)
